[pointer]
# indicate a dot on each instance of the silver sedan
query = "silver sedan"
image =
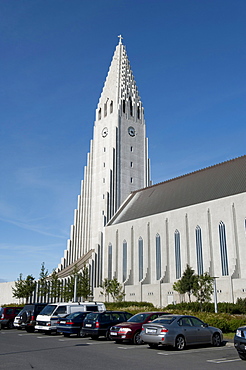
(180, 331)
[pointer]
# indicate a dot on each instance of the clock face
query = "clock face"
(104, 132)
(131, 131)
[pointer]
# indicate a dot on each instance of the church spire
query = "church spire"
(120, 87)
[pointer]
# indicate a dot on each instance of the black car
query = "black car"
(240, 342)
(98, 324)
(27, 317)
(72, 324)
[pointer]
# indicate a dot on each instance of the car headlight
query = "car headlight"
(239, 333)
(124, 330)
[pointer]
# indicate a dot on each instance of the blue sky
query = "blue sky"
(188, 59)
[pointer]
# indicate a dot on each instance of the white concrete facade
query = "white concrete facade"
(208, 216)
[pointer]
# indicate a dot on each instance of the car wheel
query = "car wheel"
(10, 325)
(153, 345)
(137, 339)
(242, 356)
(180, 343)
(216, 340)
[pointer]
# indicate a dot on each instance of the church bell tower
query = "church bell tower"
(116, 165)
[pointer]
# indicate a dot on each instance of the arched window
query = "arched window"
(177, 254)
(124, 106)
(138, 112)
(110, 261)
(105, 109)
(124, 260)
(158, 256)
(199, 257)
(100, 113)
(140, 258)
(111, 106)
(223, 249)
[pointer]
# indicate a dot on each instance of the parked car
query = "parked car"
(7, 316)
(48, 317)
(26, 319)
(240, 342)
(98, 324)
(72, 324)
(131, 329)
(180, 331)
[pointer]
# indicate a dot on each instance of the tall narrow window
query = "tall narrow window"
(110, 261)
(130, 102)
(140, 258)
(111, 106)
(158, 256)
(124, 260)
(105, 109)
(223, 249)
(177, 254)
(138, 112)
(124, 106)
(199, 257)
(100, 114)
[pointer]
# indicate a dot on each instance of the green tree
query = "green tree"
(116, 290)
(18, 289)
(55, 291)
(83, 283)
(203, 289)
(105, 288)
(24, 287)
(187, 282)
(43, 287)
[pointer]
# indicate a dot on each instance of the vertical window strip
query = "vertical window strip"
(177, 254)
(110, 261)
(124, 260)
(223, 249)
(158, 256)
(140, 258)
(199, 256)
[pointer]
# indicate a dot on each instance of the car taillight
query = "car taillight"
(164, 330)
(58, 322)
(97, 324)
(32, 318)
(70, 322)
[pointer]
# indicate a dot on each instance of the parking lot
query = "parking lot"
(22, 350)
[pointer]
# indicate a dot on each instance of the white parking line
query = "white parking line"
(170, 353)
(224, 360)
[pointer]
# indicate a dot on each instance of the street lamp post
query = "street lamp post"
(215, 295)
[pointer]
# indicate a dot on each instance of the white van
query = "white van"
(47, 319)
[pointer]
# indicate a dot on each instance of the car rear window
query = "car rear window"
(139, 317)
(91, 308)
(164, 320)
(92, 316)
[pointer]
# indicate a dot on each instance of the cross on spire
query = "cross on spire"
(120, 39)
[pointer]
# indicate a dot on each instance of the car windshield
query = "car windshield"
(48, 310)
(164, 320)
(139, 317)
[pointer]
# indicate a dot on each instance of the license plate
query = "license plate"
(62, 322)
(113, 333)
(150, 331)
(88, 325)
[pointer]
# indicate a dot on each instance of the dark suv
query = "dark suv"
(97, 324)
(7, 315)
(27, 316)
